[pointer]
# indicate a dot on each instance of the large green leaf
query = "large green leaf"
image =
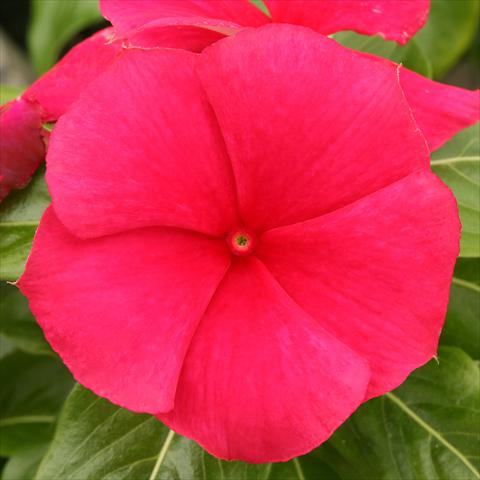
(20, 214)
(17, 323)
(53, 23)
(457, 163)
(97, 440)
(462, 327)
(33, 390)
(450, 29)
(426, 429)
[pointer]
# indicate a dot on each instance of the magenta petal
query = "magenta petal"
(392, 19)
(187, 37)
(440, 110)
(148, 151)
(375, 274)
(309, 125)
(60, 87)
(22, 146)
(121, 310)
(262, 381)
(127, 15)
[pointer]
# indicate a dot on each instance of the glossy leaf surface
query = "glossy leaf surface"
(427, 428)
(19, 217)
(457, 163)
(33, 390)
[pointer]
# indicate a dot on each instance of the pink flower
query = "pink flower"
(397, 20)
(440, 111)
(246, 242)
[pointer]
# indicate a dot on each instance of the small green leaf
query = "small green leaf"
(53, 24)
(33, 390)
(367, 43)
(18, 325)
(426, 429)
(462, 326)
(458, 164)
(20, 214)
(411, 55)
(448, 32)
(261, 5)
(24, 465)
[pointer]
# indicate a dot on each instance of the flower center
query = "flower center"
(241, 242)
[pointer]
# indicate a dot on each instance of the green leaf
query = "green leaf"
(24, 465)
(18, 325)
(450, 29)
(6, 347)
(426, 429)
(53, 24)
(457, 163)
(411, 55)
(9, 92)
(20, 214)
(98, 440)
(462, 326)
(33, 390)
(261, 5)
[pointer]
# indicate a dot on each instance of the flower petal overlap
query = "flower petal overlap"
(171, 169)
(398, 20)
(290, 140)
(123, 308)
(263, 380)
(387, 260)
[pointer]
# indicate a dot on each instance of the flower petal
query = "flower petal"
(440, 110)
(128, 15)
(309, 125)
(394, 20)
(61, 86)
(262, 381)
(141, 147)
(121, 310)
(376, 274)
(22, 148)
(191, 38)
(53, 93)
